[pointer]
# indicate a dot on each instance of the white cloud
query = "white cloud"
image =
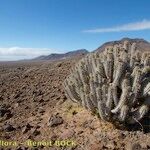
(16, 53)
(135, 26)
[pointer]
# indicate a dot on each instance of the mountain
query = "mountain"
(142, 44)
(55, 56)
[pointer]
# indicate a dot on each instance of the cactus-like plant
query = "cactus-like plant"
(116, 82)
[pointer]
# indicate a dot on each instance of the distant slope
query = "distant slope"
(56, 56)
(142, 44)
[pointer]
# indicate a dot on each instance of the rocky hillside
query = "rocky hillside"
(142, 44)
(56, 56)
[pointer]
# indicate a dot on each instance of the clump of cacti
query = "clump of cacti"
(115, 82)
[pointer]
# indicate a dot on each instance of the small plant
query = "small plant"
(116, 82)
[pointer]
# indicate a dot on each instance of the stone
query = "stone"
(4, 110)
(8, 128)
(35, 132)
(55, 120)
(26, 128)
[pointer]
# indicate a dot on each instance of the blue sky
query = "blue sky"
(29, 28)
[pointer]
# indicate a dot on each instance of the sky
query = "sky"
(29, 28)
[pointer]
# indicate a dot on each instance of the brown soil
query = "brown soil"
(33, 106)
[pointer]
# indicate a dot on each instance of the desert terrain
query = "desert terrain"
(33, 106)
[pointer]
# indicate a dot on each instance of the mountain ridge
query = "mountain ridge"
(56, 56)
(141, 44)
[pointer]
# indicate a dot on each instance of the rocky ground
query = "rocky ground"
(33, 106)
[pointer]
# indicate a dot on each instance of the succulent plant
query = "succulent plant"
(115, 82)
